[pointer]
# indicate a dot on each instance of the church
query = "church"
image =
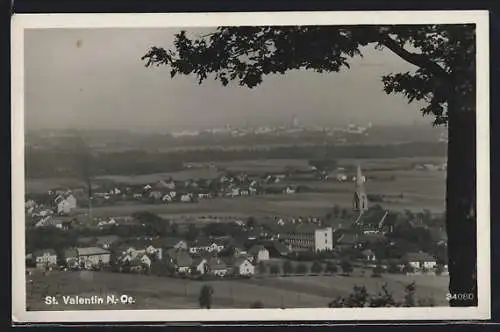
(360, 199)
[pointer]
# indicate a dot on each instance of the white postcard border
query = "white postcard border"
(40, 21)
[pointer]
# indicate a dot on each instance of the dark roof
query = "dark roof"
(419, 257)
(347, 239)
(70, 253)
(367, 252)
(217, 264)
(180, 257)
(256, 249)
(44, 251)
(280, 247)
(240, 260)
(168, 242)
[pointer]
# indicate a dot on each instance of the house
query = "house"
(65, 203)
(217, 267)
(187, 198)
(165, 184)
(172, 242)
(179, 259)
(106, 242)
(306, 236)
(289, 190)
(259, 253)
(155, 195)
(323, 239)
(199, 245)
(277, 249)
(243, 267)
(45, 259)
(43, 222)
(71, 258)
(106, 222)
(93, 256)
(199, 265)
(204, 195)
(346, 239)
(368, 255)
(421, 260)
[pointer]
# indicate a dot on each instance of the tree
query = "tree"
(444, 81)
(275, 269)
(205, 298)
(261, 267)
(336, 211)
(331, 268)
(316, 267)
(377, 271)
(251, 222)
(192, 232)
(302, 268)
(287, 267)
(346, 267)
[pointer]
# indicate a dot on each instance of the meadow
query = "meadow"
(151, 292)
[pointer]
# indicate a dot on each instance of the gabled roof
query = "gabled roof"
(70, 253)
(44, 251)
(240, 260)
(217, 264)
(419, 257)
(91, 251)
(256, 249)
(367, 252)
(347, 239)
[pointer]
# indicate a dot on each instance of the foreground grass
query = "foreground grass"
(151, 292)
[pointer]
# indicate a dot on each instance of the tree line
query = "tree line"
(58, 163)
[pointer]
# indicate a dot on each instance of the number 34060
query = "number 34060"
(460, 297)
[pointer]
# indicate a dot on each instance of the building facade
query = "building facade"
(323, 239)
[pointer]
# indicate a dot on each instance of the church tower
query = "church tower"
(360, 200)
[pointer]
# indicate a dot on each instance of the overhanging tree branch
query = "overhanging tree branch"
(415, 59)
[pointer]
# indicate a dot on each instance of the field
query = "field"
(151, 292)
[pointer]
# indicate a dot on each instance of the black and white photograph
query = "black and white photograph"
(250, 166)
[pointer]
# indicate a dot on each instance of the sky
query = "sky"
(95, 79)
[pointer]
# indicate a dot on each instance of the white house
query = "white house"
(289, 190)
(186, 198)
(217, 267)
(323, 239)
(199, 265)
(259, 253)
(65, 203)
(243, 267)
(93, 256)
(46, 258)
(368, 255)
(421, 261)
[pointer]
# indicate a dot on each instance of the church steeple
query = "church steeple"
(360, 200)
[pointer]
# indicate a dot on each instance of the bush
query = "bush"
(377, 271)
(275, 269)
(317, 267)
(347, 267)
(302, 269)
(287, 267)
(331, 268)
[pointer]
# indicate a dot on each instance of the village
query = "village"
(363, 237)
